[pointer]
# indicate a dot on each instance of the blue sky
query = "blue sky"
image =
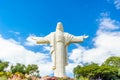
(19, 20)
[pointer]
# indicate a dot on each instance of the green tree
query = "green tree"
(32, 69)
(87, 71)
(3, 65)
(75, 71)
(18, 68)
(113, 61)
(109, 70)
(107, 73)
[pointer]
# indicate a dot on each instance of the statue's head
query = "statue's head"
(59, 26)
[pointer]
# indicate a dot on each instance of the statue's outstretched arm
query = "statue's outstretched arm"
(76, 39)
(41, 40)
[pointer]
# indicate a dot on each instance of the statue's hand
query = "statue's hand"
(84, 36)
(33, 38)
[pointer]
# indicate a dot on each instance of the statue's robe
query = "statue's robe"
(59, 42)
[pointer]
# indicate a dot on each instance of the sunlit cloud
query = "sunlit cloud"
(12, 51)
(105, 44)
(30, 41)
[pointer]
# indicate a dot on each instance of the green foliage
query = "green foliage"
(109, 70)
(1, 73)
(75, 71)
(18, 68)
(31, 69)
(82, 78)
(88, 71)
(21, 68)
(8, 74)
(118, 71)
(3, 77)
(113, 61)
(3, 65)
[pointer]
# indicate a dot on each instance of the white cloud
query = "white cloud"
(15, 32)
(12, 51)
(106, 44)
(77, 54)
(69, 69)
(46, 48)
(117, 4)
(30, 41)
(108, 24)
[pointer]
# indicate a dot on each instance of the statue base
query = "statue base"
(56, 78)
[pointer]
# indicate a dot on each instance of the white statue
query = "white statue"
(59, 40)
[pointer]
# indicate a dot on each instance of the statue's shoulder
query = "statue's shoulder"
(67, 34)
(51, 34)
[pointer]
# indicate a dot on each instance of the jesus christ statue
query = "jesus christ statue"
(59, 41)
